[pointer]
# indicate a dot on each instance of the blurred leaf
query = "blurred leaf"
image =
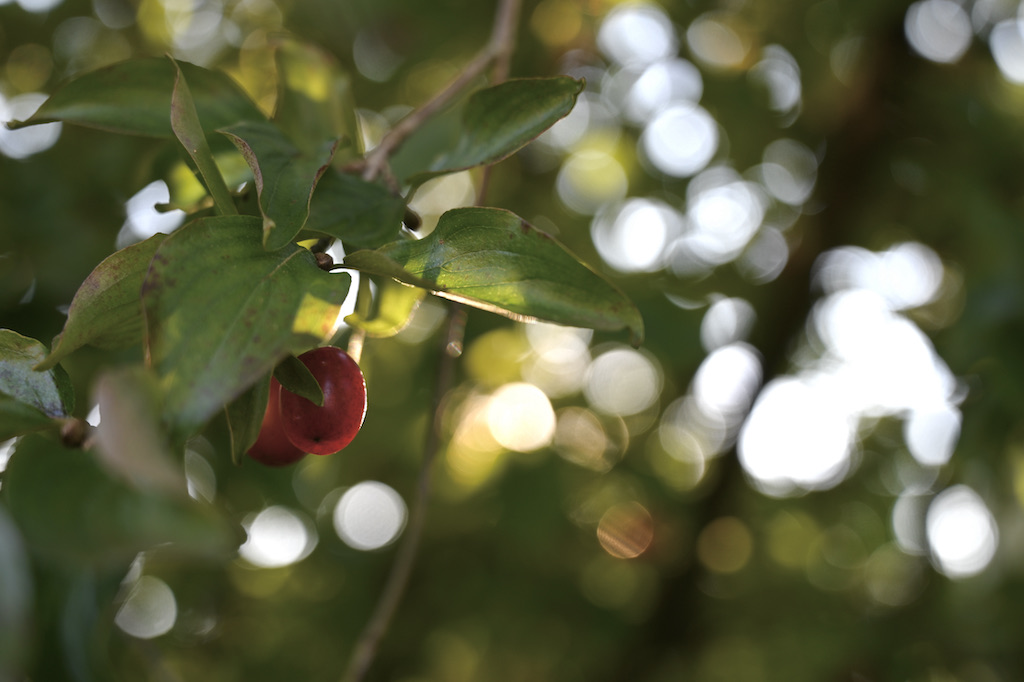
(221, 312)
(134, 97)
(106, 311)
(285, 177)
(492, 259)
(363, 214)
(499, 120)
(16, 597)
(315, 102)
(395, 304)
(69, 509)
(296, 377)
(188, 129)
(48, 391)
(129, 438)
(245, 417)
(17, 418)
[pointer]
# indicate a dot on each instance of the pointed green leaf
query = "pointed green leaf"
(129, 438)
(296, 378)
(499, 120)
(134, 97)
(106, 311)
(492, 259)
(221, 312)
(285, 177)
(395, 304)
(189, 131)
(314, 101)
(245, 417)
(363, 214)
(69, 509)
(49, 392)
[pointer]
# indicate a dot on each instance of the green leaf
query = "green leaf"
(362, 214)
(129, 439)
(17, 418)
(187, 128)
(49, 392)
(395, 304)
(314, 101)
(296, 377)
(285, 177)
(492, 259)
(69, 509)
(499, 120)
(106, 311)
(134, 97)
(221, 312)
(15, 601)
(245, 417)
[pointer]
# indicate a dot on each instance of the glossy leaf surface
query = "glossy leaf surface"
(492, 259)
(221, 312)
(499, 120)
(48, 391)
(134, 97)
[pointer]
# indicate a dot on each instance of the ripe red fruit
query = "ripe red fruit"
(325, 430)
(272, 446)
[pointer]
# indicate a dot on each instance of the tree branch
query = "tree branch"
(498, 51)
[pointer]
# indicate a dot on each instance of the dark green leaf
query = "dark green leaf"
(499, 120)
(17, 418)
(314, 101)
(15, 601)
(221, 312)
(69, 509)
(285, 177)
(106, 311)
(189, 131)
(134, 97)
(49, 392)
(492, 259)
(245, 417)
(296, 377)
(363, 214)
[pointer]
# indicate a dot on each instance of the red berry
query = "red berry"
(272, 447)
(325, 430)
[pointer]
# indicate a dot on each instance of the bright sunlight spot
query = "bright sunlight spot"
(370, 515)
(961, 532)
(637, 34)
(149, 611)
(143, 219)
(1007, 43)
(632, 236)
(23, 143)
(939, 30)
(277, 536)
(520, 417)
(622, 382)
(681, 140)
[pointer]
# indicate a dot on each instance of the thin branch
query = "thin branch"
(498, 51)
(369, 640)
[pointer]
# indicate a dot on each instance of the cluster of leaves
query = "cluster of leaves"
(236, 292)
